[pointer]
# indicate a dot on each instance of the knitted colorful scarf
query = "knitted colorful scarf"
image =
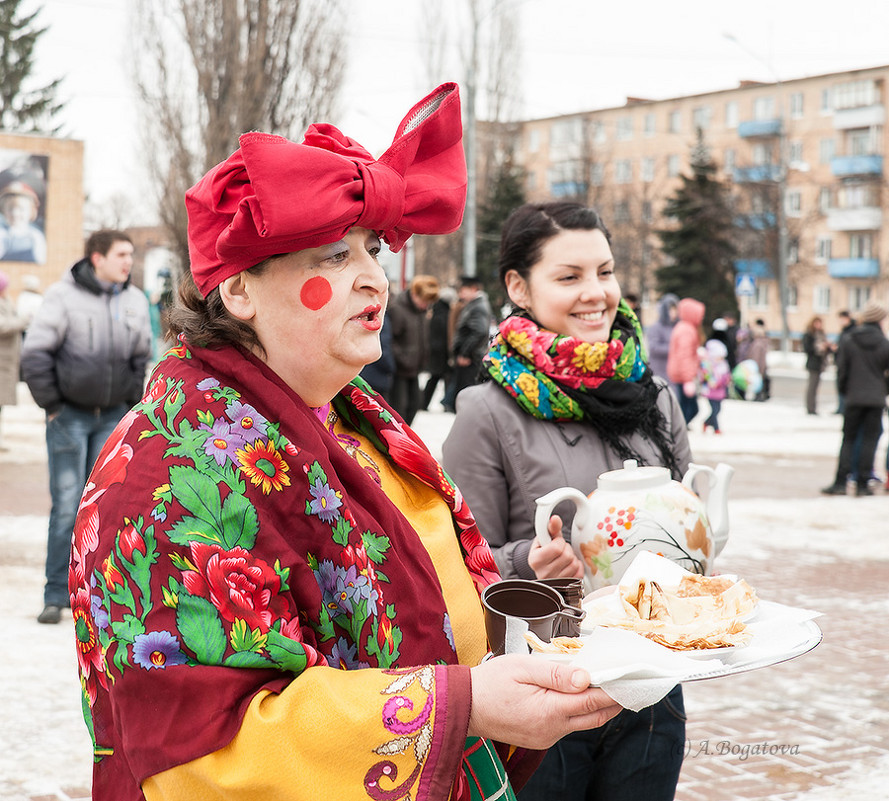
(605, 384)
(536, 366)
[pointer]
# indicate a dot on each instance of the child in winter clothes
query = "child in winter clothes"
(682, 358)
(715, 378)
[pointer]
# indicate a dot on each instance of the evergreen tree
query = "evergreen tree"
(505, 193)
(701, 248)
(23, 108)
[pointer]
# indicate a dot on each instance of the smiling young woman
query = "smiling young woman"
(570, 396)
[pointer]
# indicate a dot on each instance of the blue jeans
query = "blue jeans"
(713, 419)
(73, 440)
(636, 756)
(689, 406)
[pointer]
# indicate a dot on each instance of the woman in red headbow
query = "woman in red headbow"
(275, 586)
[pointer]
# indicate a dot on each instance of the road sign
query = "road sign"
(745, 284)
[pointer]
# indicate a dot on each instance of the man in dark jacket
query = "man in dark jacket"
(862, 370)
(471, 336)
(407, 316)
(84, 360)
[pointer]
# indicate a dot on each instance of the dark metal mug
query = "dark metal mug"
(540, 606)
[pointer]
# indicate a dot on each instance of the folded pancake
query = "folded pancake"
(702, 612)
(557, 645)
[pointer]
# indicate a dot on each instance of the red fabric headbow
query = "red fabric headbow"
(274, 196)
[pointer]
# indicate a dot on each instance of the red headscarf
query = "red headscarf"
(274, 196)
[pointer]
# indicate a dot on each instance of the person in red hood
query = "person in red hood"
(682, 360)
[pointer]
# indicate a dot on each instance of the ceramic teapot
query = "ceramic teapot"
(642, 508)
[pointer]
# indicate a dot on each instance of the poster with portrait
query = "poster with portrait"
(23, 179)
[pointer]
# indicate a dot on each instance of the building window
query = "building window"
(796, 151)
(764, 108)
(700, 118)
(863, 141)
(826, 150)
(824, 199)
(822, 249)
(762, 153)
(566, 179)
(861, 246)
(821, 299)
(731, 114)
(729, 159)
(625, 128)
(599, 133)
(858, 297)
(674, 122)
(649, 125)
(857, 196)
(565, 132)
(826, 104)
(623, 171)
(597, 174)
(792, 296)
(648, 169)
(760, 297)
(793, 251)
(622, 212)
(647, 211)
(796, 105)
(793, 203)
(533, 140)
(854, 94)
(673, 166)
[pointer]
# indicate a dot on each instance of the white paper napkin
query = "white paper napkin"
(634, 671)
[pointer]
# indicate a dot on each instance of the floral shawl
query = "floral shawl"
(225, 544)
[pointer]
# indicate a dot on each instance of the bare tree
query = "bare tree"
(208, 70)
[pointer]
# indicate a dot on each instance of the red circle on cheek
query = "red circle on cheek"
(315, 293)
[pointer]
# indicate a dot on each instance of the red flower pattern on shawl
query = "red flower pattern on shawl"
(111, 468)
(238, 584)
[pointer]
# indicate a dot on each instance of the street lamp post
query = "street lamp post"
(781, 212)
(470, 215)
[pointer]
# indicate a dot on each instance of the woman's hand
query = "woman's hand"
(556, 559)
(532, 703)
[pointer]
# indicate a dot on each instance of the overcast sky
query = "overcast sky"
(575, 55)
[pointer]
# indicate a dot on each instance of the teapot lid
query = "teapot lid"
(632, 476)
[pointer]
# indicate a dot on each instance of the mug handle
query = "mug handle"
(548, 502)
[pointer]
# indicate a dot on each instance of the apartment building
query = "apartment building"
(815, 142)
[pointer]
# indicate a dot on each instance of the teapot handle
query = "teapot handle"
(691, 475)
(548, 502)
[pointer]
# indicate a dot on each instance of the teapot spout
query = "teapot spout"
(717, 506)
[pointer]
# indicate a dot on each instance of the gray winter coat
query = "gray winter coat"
(87, 346)
(502, 459)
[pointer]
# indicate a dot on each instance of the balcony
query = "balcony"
(568, 189)
(844, 166)
(757, 174)
(756, 221)
(863, 218)
(853, 268)
(865, 117)
(753, 129)
(758, 268)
